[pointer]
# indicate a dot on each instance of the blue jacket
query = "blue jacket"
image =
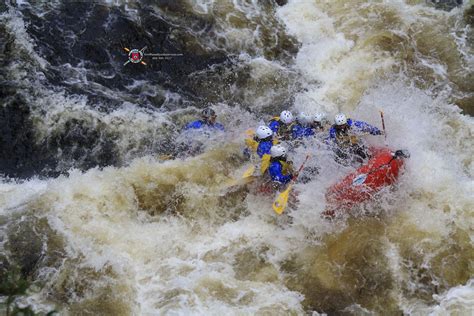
(359, 126)
(264, 148)
(280, 129)
(199, 124)
(276, 174)
(274, 125)
(300, 131)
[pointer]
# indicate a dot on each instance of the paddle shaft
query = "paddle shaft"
(383, 125)
(301, 168)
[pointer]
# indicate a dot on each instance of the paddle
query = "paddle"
(249, 172)
(281, 201)
(383, 126)
(247, 177)
(263, 167)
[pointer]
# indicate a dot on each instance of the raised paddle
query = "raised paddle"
(281, 201)
(383, 126)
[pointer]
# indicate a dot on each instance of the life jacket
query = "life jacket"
(301, 131)
(250, 141)
(284, 130)
(200, 124)
(275, 119)
(343, 137)
(280, 171)
(286, 167)
(265, 163)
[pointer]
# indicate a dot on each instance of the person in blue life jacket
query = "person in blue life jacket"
(260, 143)
(192, 144)
(280, 169)
(302, 128)
(208, 121)
(282, 125)
(264, 137)
(320, 123)
(344, 126)
(343, 135)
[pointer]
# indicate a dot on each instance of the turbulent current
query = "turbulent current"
(97, 222)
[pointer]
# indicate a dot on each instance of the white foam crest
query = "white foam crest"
(332, 68)
(457, 300)
(238, 25)
(97, 213)
(128, 123)
(307, 22)
(15, 195)
(266, 73)
(435, 173)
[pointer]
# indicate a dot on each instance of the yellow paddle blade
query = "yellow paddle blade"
(249, 172)
(247, 177)
(231, 182)
(251, 143)
(238, 182)
(281, 201)
(265, 163)
(250, 133)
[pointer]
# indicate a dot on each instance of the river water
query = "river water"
(100, 225)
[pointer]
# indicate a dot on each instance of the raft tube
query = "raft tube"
(359, 186)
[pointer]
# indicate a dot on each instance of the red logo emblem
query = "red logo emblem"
(135, 56)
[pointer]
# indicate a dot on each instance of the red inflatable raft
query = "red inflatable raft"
(359, 186)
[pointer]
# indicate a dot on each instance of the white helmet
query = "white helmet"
(304, 118)
(263, 132)
(286, 117)
(319, 117)
(278, 151)
(340, 119)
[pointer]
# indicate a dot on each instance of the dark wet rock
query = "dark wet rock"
(76, 144)
(92, 37)
(446, 5)
(281, 2)
(82, 44)
(3, 7)
(4, 266)
(83, 144)
(19, 154)
(469, 15)
(32, 244)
